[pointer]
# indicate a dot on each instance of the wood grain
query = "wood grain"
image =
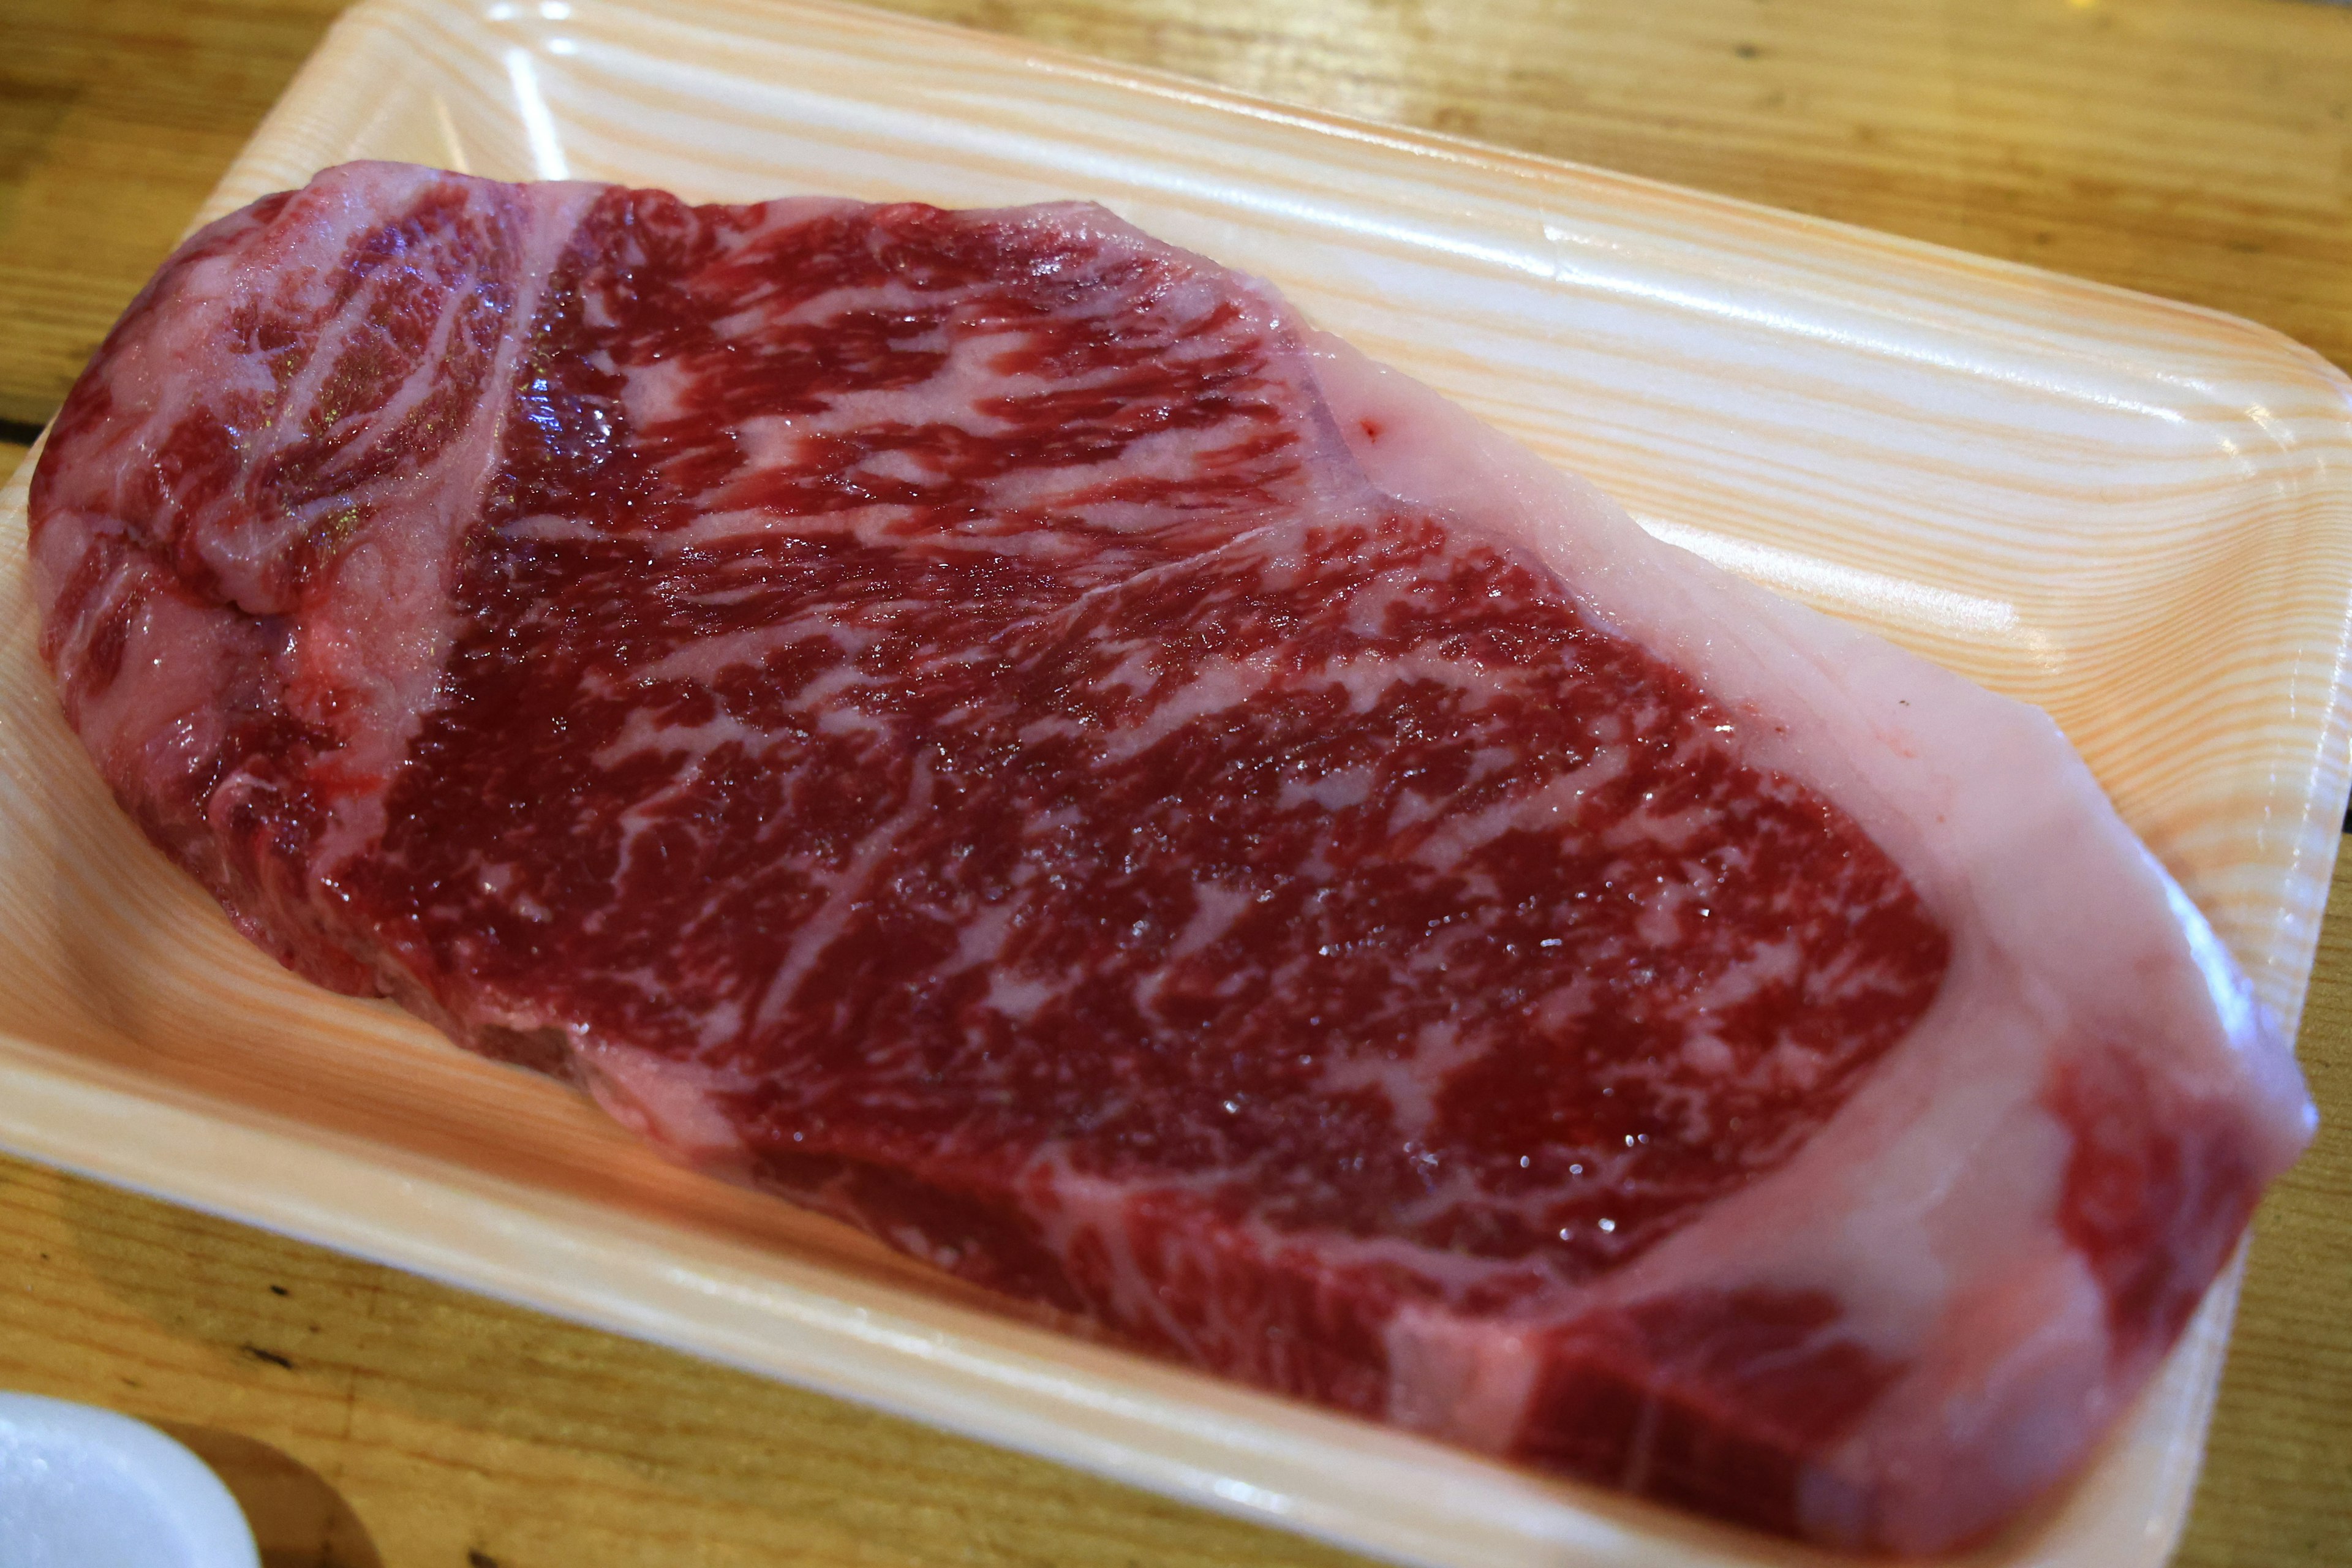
(371, 1417)
(2197, 148)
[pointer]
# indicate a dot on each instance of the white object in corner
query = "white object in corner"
(83, 1487)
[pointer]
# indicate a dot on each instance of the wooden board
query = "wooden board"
(2072, 125)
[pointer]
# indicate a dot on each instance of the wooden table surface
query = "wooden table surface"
(2200, 149)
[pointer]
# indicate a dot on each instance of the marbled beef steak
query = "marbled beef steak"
(982, 724)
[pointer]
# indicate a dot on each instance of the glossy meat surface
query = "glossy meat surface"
(981, 723)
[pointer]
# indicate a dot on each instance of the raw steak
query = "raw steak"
(981, 723)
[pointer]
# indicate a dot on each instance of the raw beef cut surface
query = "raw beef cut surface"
(981, 723)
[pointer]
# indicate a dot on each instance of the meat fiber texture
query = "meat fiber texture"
(983, 724)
